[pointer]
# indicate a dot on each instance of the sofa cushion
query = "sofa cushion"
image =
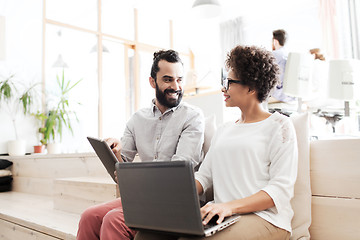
(5, 183)
(210, 129)
(301, 203)
(5, 180)
(5, 172)
(5, 163)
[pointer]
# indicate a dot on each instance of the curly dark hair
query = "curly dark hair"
(255, 67)
(167, 55)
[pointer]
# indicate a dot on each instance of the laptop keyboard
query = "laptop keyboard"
(212, 222)
(209, 225)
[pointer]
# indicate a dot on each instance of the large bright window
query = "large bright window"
(118, 18)
(153, 29)
(81, 13)
(114, 89)
(73, 48)
(114, 73)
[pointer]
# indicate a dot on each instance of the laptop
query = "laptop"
(106, 155)
(162, 196)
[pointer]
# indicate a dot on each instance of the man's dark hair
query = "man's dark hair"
(255, 67)
(167, 55)
(280, 35)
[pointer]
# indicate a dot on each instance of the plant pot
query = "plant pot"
(53, 148)
(17, 148)
(39, 149)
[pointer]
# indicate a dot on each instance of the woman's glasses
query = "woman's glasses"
(225, 82)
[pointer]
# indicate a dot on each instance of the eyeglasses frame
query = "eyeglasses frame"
(225, 82)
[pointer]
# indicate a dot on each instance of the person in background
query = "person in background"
(278, 46)
(167, 130)
(252, 162)
(317, 54)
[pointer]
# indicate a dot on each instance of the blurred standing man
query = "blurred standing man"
(280, 53)
(168, 130)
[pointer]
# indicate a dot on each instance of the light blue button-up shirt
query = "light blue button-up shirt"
(177, 134)
(281, 58)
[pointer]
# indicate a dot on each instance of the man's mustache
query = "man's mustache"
(172, 91)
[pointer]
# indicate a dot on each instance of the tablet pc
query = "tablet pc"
(106, 155)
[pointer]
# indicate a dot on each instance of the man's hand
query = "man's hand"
(115, 146)
(211, 209)
(115, 176)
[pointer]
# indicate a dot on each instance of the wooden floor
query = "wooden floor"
(49, 192)
(34, 215)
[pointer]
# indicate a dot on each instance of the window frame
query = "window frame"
(135, 45)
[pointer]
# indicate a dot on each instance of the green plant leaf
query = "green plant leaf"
(74, 85)
(59, 118)
(7, 89)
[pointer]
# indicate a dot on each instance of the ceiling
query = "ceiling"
(230, 8)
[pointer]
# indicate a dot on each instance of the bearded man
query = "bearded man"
(168, 130)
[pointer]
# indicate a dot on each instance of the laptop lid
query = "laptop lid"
(105, 154)
(162, 196)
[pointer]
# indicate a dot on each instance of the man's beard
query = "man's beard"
(162, 99)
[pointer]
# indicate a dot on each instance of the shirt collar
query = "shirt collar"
(155, 108)
(281, 49)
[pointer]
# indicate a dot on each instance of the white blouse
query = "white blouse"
(248, 157)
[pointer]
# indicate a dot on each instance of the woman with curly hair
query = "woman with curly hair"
(252, 162)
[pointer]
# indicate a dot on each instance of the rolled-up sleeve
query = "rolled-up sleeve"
(204, 175)
(283, 167)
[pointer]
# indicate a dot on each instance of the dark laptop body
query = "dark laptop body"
(162, 196)
(105, 154)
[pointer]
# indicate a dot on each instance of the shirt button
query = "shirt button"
(159, 118)
(157, 138)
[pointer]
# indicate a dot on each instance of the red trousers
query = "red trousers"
(104, 221)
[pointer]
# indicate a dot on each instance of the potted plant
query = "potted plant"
(58, 117)
(12, 101)
(41, 117)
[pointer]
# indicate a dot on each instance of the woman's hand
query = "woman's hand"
(256, 202)
(211, 209)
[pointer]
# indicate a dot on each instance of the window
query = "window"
(115, 80)
(81, 13)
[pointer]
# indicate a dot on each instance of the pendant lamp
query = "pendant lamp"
(206, 8)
